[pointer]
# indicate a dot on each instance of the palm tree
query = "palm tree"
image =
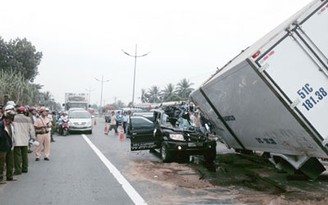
(144, 97)
(154, 94)
(46, 98)
(168, 93)
(184, 89)
(31, 94)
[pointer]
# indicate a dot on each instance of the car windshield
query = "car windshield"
(79, 115)
(180, 123)
(183, 123)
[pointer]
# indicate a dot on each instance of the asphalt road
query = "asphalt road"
(96, 169)
(100, 169)
(74, 175)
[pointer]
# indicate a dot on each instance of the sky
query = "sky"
(82, 41)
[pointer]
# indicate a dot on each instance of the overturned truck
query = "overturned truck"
(273, 97)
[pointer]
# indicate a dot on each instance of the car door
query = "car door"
(141, 132)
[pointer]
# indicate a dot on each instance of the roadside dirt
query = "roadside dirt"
(238, 179)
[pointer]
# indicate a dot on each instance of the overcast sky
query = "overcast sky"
(82, 40)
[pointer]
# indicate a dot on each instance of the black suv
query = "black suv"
(169, 129)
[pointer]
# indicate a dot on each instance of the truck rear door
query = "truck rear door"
(298, 67)
(313, 29)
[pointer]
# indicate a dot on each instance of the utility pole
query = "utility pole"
(102, 81)
(135, 56)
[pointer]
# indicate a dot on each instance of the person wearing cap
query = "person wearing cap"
(7, 144)
(24, 130)
(32, 114)
(42, 125)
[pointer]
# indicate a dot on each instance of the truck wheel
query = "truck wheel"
(210, 156)
(166, 155)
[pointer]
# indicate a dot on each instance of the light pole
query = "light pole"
(135, 56)
(101, 92)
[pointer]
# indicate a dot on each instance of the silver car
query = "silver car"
(80, 120)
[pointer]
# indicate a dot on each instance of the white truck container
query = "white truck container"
(76, 100)
(273, 97)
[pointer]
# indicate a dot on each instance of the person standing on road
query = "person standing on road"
(53, 126)
(33, 115)
(112, 124)
(7, 144)
(118, 119)
(125, 119)
(4, 145)
(42, 124)
(24, 130)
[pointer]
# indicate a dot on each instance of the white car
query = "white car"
(80, 120)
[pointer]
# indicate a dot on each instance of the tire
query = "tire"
(165, 153)
(210, 156)
(65, 132)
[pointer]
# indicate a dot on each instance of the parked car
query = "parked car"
(171, 132)
(80, 120)
(148, 115)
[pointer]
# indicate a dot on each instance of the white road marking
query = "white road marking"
(132, 193)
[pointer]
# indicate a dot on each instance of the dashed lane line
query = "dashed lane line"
(132, 193)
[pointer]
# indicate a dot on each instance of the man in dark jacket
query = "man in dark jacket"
(6, 145)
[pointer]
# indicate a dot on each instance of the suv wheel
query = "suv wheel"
(166, 155)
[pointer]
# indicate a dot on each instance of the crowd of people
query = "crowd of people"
(21, 128)
(116, 120)
(195, 118)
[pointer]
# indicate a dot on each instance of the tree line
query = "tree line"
(19, 61)
(170, 92)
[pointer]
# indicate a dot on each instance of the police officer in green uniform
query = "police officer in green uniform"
(6, 144)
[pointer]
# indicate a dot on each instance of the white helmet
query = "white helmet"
(11, 103)
(36, 143)
(9, 107)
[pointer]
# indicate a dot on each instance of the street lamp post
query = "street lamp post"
(102, 81)
(135, 56)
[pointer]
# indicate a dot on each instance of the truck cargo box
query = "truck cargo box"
(273, 97)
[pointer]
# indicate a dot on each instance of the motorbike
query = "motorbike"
(63, 128)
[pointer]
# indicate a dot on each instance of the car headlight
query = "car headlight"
(177, 137)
